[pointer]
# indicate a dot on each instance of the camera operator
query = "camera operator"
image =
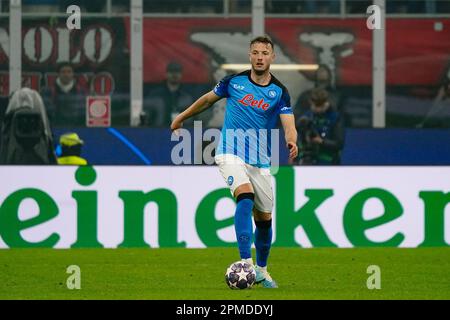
(321, 132)
(26, 134)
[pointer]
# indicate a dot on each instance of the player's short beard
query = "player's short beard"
(260, 72)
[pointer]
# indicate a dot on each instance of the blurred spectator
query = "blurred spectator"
(66, 100)
(441, 7)
(403, 6)
(206, 6)
(283, 6)
(357, 6)
(213, 117)
(4, 6)
(166, 100)
(303, 6)
(240, 6)
(176, 6)
(321, 132)
(324, 79)
(120, 6)
(322, 6)
(85, 5)
(71, 146)
(417, 6)
(430, 6)
(437, 6)
(439, 114)
(40, 5)
(168, 6)
(26, 135)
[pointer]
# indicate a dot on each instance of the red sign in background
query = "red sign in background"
(98, 111)
(417, 50)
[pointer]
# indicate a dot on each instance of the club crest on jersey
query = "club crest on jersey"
(249, 100)
(272, 93)
(230, 180)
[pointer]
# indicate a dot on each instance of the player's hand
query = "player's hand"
(293, 150)
(176, 124)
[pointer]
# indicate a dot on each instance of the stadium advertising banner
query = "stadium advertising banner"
(202, 45)
(93, 51)
(344, 45)
(189, 206)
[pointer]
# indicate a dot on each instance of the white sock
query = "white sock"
(248, 260)
(264, 269)
(264, 272)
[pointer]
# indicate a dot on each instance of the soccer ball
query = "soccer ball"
(240, 275)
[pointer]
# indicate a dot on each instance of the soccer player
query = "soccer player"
(255, 99)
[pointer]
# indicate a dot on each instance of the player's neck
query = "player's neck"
(261, 79)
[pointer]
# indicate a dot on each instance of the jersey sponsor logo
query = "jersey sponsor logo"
(285, 108)
(238, 87)
(249, 100)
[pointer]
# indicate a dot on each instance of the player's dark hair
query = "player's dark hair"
(262, 39)
(63, 65)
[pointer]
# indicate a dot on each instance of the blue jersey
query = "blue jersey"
(251, 113)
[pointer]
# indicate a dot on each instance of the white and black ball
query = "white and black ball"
(240, 275)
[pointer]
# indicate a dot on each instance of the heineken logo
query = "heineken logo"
(160, 207)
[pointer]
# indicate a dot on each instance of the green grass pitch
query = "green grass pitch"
(198, 274)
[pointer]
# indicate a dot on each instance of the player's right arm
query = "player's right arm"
(202, 103)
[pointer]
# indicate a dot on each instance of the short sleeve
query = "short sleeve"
(284, 106)
(221, 89)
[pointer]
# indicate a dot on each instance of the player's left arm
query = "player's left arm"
(290, 134)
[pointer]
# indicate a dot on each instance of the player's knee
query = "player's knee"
(243, 188)
(259, 215)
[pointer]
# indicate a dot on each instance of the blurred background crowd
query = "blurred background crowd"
(187, 46)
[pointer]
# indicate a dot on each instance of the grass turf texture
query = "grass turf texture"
(185, 274)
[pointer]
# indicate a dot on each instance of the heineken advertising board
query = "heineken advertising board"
(190, 206)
